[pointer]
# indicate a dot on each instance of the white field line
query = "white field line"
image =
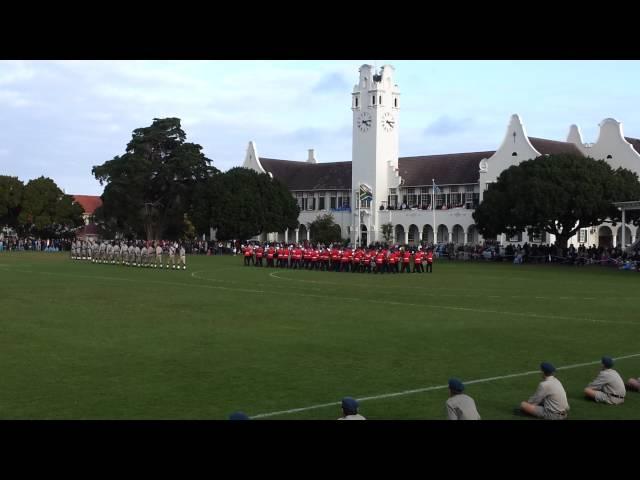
(354, 299)
(428, 389)
(195, 275)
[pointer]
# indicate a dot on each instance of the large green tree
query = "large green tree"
(556, 194)
(325, 230)
(46, 210)
(242, 203)
(150, 188)
(11, 190)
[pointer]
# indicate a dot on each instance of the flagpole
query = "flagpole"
(433, 207)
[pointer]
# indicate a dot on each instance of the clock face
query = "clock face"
(364, 121)
(388, 122)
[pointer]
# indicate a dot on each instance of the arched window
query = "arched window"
(514, 154)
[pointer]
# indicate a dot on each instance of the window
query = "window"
(516, 238)
(380, 100)
(321, 203)
(412, 198)
(536, 237)
(439, 199)
(356, 102)
(609, 157)
(365, 203)
(304, 203)
(395, 102)
(456, 197)
(393, 198)
(333, 200)
(582, 238)
(514, 154)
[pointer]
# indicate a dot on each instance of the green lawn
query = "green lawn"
(86, 341)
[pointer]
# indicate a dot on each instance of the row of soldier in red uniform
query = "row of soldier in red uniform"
(369, 260)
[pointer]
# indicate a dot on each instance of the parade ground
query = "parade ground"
(90, 341)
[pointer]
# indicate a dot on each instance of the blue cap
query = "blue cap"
(607, 362)
(547, 368)
(456, 385)
(238, 416)
(350, 405)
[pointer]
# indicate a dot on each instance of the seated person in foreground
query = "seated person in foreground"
(549, 400)
(608, 386)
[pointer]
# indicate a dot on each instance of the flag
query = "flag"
(365, 193)
(436, 188)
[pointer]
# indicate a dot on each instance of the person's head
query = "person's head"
(547, 369)
(607, 362)
(238, 416)
(455, 387)
(349, 406)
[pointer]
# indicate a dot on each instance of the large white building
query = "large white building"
(376, 185)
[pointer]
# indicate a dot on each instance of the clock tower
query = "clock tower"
(374, 169)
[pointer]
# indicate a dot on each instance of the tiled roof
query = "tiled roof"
(553, 147)
(88, 202)
(453, 168)
(635, 142)
(447, 169)
(310, 176)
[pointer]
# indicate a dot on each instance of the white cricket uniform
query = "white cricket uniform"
(183, 258)
(172, 256)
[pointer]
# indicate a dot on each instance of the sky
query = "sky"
(60, 118)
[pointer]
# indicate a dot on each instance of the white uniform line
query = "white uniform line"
(428, 389)
(354, 299)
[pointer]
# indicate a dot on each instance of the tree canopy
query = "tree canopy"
(242, 203)
(324, 230)
(557, 194)
(11, 191)
(151, 186)
(45, 210)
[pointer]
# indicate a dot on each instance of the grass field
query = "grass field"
(86, 341)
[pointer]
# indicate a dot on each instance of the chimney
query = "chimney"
(311, 158)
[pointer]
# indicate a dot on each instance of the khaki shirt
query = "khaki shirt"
(551, 396)
(357, 416)
(609, 381)
(462, 407)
